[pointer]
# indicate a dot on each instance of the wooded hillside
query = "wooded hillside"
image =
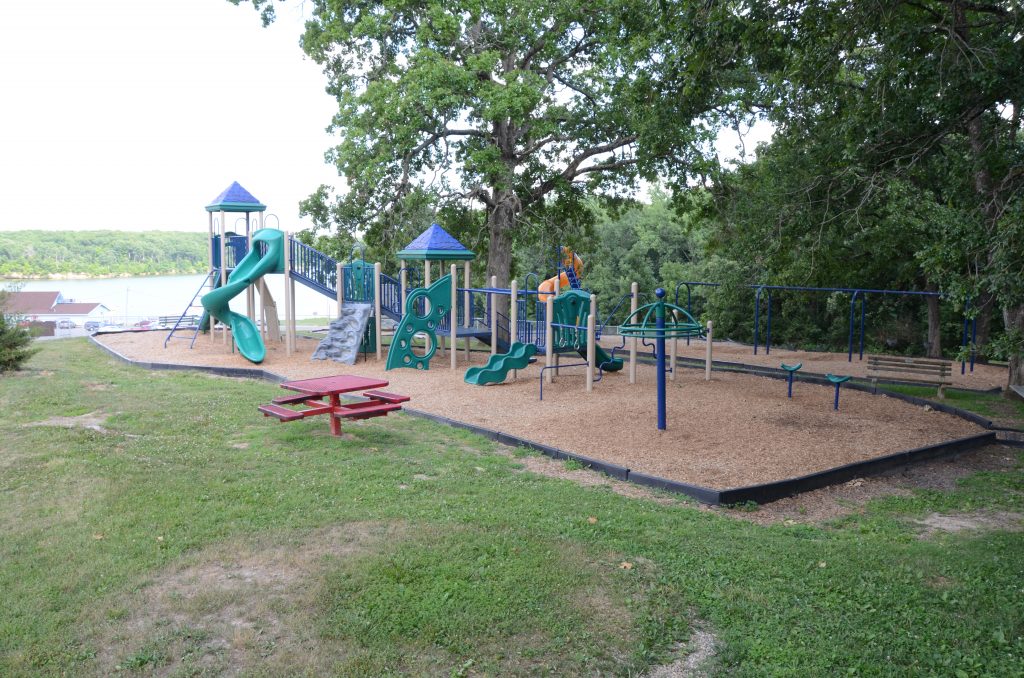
(37, 254)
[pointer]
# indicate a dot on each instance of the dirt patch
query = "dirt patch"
(836, 501)
(694, 657)
(936, 523)
(556, 468)
(230, 608)
(93, 421)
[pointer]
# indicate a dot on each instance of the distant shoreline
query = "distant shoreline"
(85, 276)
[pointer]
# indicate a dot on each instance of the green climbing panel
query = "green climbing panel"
(571, 307)
(424, 310)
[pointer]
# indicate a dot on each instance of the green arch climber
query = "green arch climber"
(437, 297)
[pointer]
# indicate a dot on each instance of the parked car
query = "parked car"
(66, 324)
(92, 325)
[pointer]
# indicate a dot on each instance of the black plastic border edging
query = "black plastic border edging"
(235, 372)
(785, 488)
(756, 493)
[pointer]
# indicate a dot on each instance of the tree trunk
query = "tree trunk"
(934, 328)
(1013, 318)
(501, 220)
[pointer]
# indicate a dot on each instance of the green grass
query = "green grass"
(193, 536)
(991, 405)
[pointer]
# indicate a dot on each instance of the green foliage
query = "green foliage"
(522, 109)
(33, 254)
(15, 341)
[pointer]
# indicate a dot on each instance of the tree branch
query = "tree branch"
(573, 169)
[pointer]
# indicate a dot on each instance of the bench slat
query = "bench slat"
(941, 373)
(907, 361)
(375, 409)
(279, 412)
(292, 399)
(387, 397)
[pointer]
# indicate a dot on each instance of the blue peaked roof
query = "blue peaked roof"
(234, 198)
(435, 243)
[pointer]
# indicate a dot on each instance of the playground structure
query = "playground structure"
(555, 318)
(426, 318)
(236, 266)
(531, 325)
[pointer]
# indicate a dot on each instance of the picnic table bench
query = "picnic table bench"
(313, 392)
(919, 370)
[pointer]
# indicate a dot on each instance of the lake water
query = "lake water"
(151, 296)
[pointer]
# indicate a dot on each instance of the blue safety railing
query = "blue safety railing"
(313, 268)
(390, 297)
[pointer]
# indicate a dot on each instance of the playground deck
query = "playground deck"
(734, 431)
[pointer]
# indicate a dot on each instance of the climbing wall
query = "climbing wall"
(345, 334)
(424, 310)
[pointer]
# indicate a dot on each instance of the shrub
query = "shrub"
(15, 342)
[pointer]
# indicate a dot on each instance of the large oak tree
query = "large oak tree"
(514, 105)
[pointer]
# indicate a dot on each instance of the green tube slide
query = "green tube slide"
(250, 269)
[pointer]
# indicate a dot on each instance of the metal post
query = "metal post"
(513, 320)
(404, 279)
(494, 316)
(223, 271)
(853, 306)
(660, 344)
(757, 318)
(250, 290)
(591, 342)
(453, 315)
(288, 348)
(634, 291)
(707, 352)
(467, 313)
(672, 357)
(863, 311)
(339, 284)
(549, 337)
(768, 329)
(963, 343)
(376, 308)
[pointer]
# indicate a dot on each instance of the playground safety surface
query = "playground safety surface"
(737, 430)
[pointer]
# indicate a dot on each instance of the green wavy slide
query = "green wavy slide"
(497, 367)
(250, 269)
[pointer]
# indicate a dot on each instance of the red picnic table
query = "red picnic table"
(313, 391)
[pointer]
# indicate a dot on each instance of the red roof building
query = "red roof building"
(51, 306)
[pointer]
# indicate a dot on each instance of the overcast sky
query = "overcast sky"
(135, 114)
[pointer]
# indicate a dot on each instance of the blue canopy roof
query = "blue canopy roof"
(234, 198)
(435, 243)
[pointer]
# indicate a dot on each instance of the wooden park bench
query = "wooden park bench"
(919, 370)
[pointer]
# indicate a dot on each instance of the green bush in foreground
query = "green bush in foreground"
(15, 342)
